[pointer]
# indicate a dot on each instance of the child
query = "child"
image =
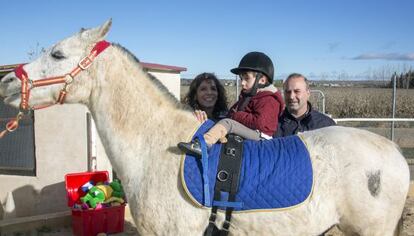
(255, 115)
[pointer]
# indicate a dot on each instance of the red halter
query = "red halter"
(66, 79)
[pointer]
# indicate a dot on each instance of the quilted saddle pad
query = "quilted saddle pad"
(275, 173)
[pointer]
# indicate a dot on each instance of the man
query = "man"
(298, 115)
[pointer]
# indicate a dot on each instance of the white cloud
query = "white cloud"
(386, 56)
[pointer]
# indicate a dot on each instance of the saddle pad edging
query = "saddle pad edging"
(189, 195)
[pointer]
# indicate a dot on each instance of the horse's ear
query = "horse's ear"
(97, 34)
(104, 29)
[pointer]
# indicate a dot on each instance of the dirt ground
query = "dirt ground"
(408, 218)
(407, 226)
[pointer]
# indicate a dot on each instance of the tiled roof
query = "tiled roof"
(7, 68)
(153, 66)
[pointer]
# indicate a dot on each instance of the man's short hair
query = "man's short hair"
(297, 75)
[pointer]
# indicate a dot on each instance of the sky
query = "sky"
(321, 39)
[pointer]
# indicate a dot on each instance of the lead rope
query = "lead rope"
(12, 125)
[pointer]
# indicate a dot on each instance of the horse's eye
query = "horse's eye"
(58, 55)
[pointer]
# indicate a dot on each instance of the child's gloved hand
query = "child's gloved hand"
(201, 115)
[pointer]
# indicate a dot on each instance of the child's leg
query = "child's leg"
(219, 132)
(225, 126)
(238, 128)
(215, 133)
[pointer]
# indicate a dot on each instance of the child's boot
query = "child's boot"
(193, 148)
(217, 132)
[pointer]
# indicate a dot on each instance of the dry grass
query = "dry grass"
(354, 102)
(368, 102)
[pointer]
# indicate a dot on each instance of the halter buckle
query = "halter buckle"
(85, 63)
(68, 79)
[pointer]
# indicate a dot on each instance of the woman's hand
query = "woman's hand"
(200, 115)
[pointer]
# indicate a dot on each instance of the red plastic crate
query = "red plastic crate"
(93, 221)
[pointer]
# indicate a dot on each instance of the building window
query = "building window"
(17, 149)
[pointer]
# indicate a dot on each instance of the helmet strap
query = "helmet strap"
(256, 85)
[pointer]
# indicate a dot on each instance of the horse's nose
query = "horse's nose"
(8, 79)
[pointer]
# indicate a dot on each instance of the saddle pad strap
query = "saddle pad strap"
(228, 204)
(228, 172)
(204, 163)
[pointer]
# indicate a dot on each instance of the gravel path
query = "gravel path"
(129, 228)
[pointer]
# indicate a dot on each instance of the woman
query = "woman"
(207, 97)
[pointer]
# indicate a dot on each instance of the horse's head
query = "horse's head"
(57, 68)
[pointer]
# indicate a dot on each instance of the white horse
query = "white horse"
(361, 179)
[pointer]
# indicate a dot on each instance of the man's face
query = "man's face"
(296, 96)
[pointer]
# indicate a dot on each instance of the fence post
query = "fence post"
(322, 95)
(237, 88)
(394, 94)
(91, 145)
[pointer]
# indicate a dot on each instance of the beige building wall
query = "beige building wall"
(170, 80)
(60, 142)
(61, 147)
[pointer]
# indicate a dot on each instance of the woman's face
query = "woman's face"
(207, 94)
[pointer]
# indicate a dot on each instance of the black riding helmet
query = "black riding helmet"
(256, 61)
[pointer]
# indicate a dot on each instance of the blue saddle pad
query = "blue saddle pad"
(275, 173)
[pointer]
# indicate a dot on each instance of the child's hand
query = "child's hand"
(200, 115)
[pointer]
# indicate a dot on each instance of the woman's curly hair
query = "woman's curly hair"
(221, 105)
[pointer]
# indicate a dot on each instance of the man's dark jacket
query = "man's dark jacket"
(289, 125)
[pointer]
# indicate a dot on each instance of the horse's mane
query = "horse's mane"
(129, 53)
(154, 79)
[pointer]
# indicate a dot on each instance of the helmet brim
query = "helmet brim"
(238, 70)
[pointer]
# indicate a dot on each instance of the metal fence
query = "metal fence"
(392, 120)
